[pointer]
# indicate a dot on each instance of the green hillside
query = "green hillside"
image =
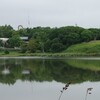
(86, 47)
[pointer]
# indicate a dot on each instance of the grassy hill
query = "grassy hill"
(87, 48)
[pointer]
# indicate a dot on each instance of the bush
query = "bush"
(57, 47)
(23, 47)
(6, 52)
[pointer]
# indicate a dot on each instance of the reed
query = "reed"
(88, 91)
(63, 89)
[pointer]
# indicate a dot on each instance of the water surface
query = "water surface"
(43, 79)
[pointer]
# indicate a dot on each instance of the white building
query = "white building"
(4, 39)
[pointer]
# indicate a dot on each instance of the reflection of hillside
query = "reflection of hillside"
(93, 65)
(44, 70)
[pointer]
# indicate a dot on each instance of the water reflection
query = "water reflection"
(43, 79)
(5, 71)
(48, 70)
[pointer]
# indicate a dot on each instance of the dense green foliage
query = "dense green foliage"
(46, 39)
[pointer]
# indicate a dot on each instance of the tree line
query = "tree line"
(46, 39)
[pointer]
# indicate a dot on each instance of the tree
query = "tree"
(1, 43)
(6, 31)
(57, 47)
(48, 45)
(24, 47)
(96, 33)
(41, 37)
(32, 45)
(72, 38)
(14, 41)
(86, 35)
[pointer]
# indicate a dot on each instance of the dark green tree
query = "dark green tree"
(86, 35)
(14, 41)
(57, 47)
(96, 33)
(6, 31)
(23, 47)
(32, 46)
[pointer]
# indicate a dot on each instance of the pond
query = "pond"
(28, 78)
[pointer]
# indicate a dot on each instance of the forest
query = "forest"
(46, 39)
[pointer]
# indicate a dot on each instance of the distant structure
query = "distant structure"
(28, 22)
(76, 25)
(24, 38)
(20, 27)
(4, 39)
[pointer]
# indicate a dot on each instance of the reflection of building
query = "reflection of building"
(6, 71)
(25, 72)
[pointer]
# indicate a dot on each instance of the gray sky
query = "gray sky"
(53, 13)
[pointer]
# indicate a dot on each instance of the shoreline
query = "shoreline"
(51, 55)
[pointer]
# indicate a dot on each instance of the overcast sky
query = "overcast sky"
(53, 13)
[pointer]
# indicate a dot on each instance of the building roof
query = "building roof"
(24, 38)
(4, 39)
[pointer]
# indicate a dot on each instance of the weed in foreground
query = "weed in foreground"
(63, 89)
(89, 91)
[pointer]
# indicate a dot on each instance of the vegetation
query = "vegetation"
(48, 40)
(92, 47)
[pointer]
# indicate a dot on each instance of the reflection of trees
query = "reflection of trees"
(45, 70)
(9, 79)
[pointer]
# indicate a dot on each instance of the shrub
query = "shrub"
(6, 52)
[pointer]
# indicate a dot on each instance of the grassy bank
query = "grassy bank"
(17, 54)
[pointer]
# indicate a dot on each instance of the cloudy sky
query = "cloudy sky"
(53, 13)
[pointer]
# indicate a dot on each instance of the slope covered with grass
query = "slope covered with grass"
(87, 47)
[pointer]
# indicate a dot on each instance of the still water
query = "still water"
(43, 78)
